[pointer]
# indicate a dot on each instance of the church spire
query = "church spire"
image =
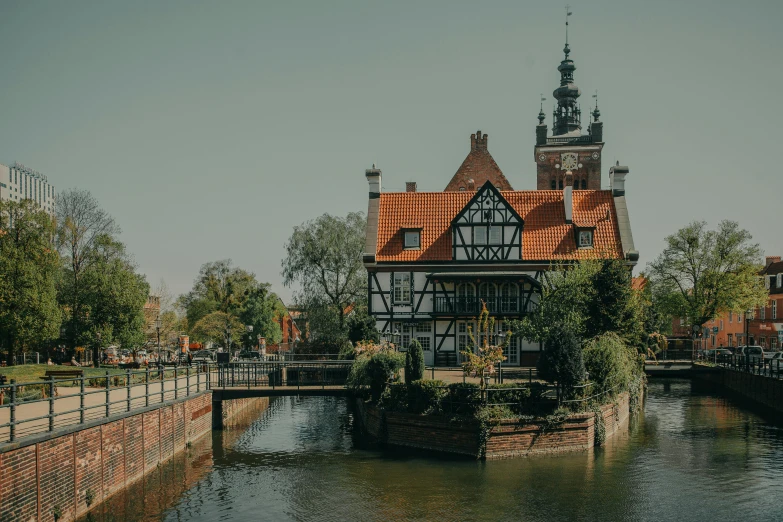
(567, 115)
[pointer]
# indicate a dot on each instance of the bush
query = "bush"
(561, 361)
(414, 363)
(462, 399)
(395, 398)
(374, 369)
(426, 396)
(513, 396)
(611, 364)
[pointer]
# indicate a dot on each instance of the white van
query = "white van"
(754, 354)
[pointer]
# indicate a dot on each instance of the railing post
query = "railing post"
(81, 400)
(51, 403)
(12, 427)
(187, 382)
(147, 386)
(128, 388)
(163, 384)
(108, 399)
(176, 385)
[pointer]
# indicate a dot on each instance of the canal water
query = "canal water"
(692, 455)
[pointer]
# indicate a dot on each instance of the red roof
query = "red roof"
(545, 235)
(478, 168)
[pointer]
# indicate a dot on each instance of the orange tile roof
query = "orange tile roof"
(639, 283)
(545, 236)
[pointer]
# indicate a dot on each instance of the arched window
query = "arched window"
(509, 298)
(584, 184)
(488, 294)
(466, 298)
(561, 184)
(554, 184)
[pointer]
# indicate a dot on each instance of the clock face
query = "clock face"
(541, 157)
(568, 161)
(595, 155)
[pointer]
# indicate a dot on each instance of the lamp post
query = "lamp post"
(228, 338)
(98, 355)
(157, 329)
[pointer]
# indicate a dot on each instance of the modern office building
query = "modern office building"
(18, 182)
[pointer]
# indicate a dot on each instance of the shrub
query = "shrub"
(512, 396)
(426, 396)
(374, 368)
(395, 398)
(561, 361)
(414, 363)
(462, 399)
(611, 364)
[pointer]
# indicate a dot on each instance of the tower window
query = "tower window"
(560, 184)
(584, 184)
(554, 184)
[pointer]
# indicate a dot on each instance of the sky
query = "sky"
(210, 129)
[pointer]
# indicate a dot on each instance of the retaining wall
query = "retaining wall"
(56, 472)
(507, 439)
(766, 391)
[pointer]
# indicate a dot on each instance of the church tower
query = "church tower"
(567, 149)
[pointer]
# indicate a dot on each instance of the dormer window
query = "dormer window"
(412, 239)
(585, 239)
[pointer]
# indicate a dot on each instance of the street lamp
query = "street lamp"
(228, 338)
(157, 329)
(249, 328)
(98, 355)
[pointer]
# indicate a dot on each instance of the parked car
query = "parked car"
(717, 353)
(773, 358)
(739, 351)
(203, 356)
(754, 354)
(246, 354)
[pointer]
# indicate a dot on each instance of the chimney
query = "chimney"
(771, 259)
(410, 186)
(568, 197)
(617, 179)
(478, 141)
(374, 179)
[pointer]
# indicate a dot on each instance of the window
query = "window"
(730, 339)
(721, 324)
(509, 302)
(413, 239)
(763, 313)
(560, 184)
(495, 234)
(401, 334)
(425, 342)
(780, 281)
(402, 288)
(584, 184)
(554, 184)
(488, 293)
(682, 321)
(585, 238)
(775, 309)
(480, 236)
(767, 281)
(463, 339)
(423, 327)
(731, 317)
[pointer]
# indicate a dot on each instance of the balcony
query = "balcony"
(471, 306)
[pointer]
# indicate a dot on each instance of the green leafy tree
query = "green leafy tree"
(611, 364)
(219, 287)
(702, 273)
(361, 327)
(484, 352)
(414, 363)
(561, 361)
(324, 257)
(29, 267)
(81, 224)
(261, 310)
(215, 327)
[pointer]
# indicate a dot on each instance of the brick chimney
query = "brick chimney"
(771, 259)
(617, 179)
(374, 179)
(478, 141)
(410, 186)
(568, 196)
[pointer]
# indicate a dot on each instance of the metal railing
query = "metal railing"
(472, 305)
(274, 374)
(751, 364)
(32, 408)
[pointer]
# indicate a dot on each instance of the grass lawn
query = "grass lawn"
(32, 373)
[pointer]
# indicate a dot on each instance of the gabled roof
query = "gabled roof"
(545, 234)
(482, 193)
(479, 166)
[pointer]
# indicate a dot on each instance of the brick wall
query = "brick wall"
(56, 471)
(508, 439)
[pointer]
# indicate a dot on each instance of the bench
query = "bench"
(61, 374)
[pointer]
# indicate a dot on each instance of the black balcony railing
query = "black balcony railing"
(472, 305)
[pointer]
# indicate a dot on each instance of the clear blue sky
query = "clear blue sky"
(210, 129)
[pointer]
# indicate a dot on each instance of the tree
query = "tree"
(361, 327)
(561, 361)
(262, 310)
(214, 327)
(702, 273)
(324, 257)
(219, 287)
(29, 267)
(81, 222)
(414, 363)
(484, 353)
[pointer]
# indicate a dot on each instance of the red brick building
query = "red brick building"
(291, 333)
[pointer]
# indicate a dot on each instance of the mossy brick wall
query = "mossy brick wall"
(40, 475)
(507, 439)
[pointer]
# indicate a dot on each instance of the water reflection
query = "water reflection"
(692, 456)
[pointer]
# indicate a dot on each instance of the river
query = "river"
(692, 455)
